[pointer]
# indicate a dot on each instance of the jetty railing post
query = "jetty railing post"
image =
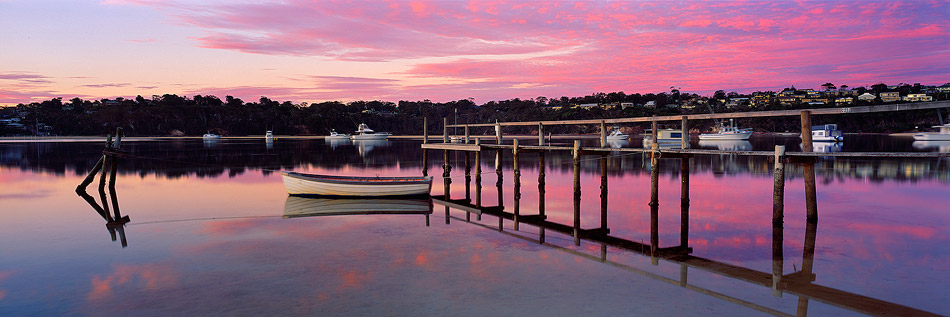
(540, 134)
(777, 260)
(466, 135)
(425, 130)
(478, 178)
(446, 181)
(603, 193)
(603, 134)
(685, 129)
(811, 201)
(517, 184)
(541, 183)
(497, 132)
(445, 130)
(653, 133)
(577, 191)
(684, 201)
(654, 203)
(778, 187)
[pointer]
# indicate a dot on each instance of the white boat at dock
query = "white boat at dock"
(357, 186)
(942, 134)
(336, 136)
(363, 132)
(296, 206)
(826, 133)
(210, 136)
(730, 132)
(666, 138)
(616, 135)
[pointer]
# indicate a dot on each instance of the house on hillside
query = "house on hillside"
(890, 96)
(867, 97)
(918, 97)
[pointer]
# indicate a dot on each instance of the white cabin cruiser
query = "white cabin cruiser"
(943, 134)
(363, 132)
(826, 133)
(336, 136)
(730, 132)
(616, 135)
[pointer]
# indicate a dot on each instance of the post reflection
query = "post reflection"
(106, 167)
(799, 283)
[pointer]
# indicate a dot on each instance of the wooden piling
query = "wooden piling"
(467, 135)
(603, 193)
(517, 184)
(685, 128)
(425, 130)
(498, 138)
(778, 187)
(603, 133)
(577, 191)
(541, 184)
(478, 179)
(91, 176)
(684, 201)
(811, 199)
(445, 130)
(468, 177)
(655, 175)
(653, 133)
(446, 180)
(540, 134)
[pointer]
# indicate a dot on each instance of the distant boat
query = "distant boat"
(209, 136)
(363, 132)
(336, 136)
(826, 133)
(665, 138)
(943, 134)
(616, 135)
(269, 135)
(308, 207)
(728, 133)
(357, 186)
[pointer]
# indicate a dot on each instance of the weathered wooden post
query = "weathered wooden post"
(684, 201)
(683, 270)
(541, 183)
(777, 260)
(467, 135)
(517, 184)
(603, 193)
(654, 203)
(808, 260)
(425, 162)
(425, 130)
(445, 130)
(811, 201)
(603, 134)
(446, 181)
(478, 178)
(778, 187)
(654, 132)
(685, 128)
(497, 132)
(577, 191)
(468, 177)
(540, 134)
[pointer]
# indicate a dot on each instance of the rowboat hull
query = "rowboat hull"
(323, 185)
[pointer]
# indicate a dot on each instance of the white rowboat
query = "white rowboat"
(326, 185)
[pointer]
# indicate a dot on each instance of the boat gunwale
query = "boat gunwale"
(361, 180)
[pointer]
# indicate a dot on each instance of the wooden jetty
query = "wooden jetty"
(797, 283)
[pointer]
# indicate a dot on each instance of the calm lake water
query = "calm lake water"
(212, 231)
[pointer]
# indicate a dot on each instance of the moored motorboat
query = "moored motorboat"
(942, 134)
(616, 135)
(665, 138)
(826, 133)
(359, 186)
(336, 136)
(730, 132)
(269, 135)
(209, 136)
(363, 132)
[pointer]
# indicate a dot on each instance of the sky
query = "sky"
(314, 51)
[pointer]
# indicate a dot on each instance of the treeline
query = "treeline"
(170, 115)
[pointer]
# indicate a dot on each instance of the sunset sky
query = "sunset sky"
(313, 51)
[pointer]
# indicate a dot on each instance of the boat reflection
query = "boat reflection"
(336, 142)
(613, 143)
(940, 146)
(825, 147)
(726, 145)
(309, 207)
(210, 143)
(365, 146)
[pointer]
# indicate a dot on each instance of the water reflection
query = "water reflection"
(825, 147)
(365, 146)
(939, 146)
(309, 207)
(614, 143)
(726, 145)
(337, 142)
